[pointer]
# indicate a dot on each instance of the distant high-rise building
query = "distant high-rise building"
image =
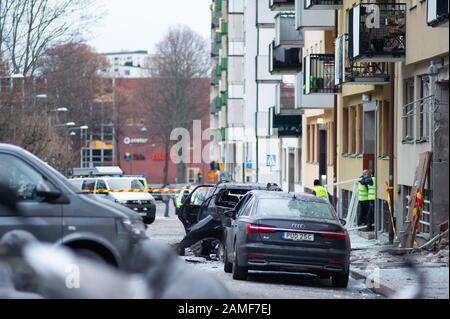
(129, 64)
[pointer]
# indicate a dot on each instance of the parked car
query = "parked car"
(55, 211)
(130, 192)
(278, 231)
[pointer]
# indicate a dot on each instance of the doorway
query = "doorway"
(291, 171)
(369, 141)
(323, 156)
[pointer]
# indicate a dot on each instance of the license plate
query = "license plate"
(299, 236)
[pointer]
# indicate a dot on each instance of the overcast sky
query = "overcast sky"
(140, 24)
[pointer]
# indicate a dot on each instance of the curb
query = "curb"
(383, 289)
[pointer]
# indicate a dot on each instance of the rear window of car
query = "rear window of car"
(293, 209)
(126, 184)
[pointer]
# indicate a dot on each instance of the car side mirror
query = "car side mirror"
(231, 214)
(8, 197)
(44, 190)
(343, 222)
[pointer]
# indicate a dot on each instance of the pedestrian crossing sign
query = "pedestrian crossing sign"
(271, 161)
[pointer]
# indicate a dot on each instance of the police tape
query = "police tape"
(154, 191)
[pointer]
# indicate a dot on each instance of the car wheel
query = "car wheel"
(89, 254)
(227, 266)
(239, 273)
(340, 280)
(149, 221)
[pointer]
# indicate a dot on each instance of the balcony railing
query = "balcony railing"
(284, 125)
(286, 35)
(311, 101)
(377, 32)
(284, 61)
(285, 98)
(418, 120)
(282, 5)
(437, 13)
(313, 19)
(262, 71)
(319, 74)
(349, 71)
(323, 4)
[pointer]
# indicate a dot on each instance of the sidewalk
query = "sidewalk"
(388, 275)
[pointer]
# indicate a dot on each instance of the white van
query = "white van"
(130, 192)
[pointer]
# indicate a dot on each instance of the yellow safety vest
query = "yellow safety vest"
(363, 193)
(373, 190)
(321, 192)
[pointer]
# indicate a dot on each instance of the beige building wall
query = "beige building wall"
(350, 166)
(317, 42)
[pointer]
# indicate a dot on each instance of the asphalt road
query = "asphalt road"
(260, 285)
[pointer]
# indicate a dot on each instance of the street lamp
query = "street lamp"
(69, 124)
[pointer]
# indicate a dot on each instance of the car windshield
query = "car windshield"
(126, 184)
(199, 196)
(293, 209)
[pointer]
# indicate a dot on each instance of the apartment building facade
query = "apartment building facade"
(243, 91)
(358, 69)
(423, 110)
(129, 64)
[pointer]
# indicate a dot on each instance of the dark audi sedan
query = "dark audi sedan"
(287, 232)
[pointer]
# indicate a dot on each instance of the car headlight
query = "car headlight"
(122, 202)
(136, 227)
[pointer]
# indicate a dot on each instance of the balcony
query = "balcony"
(323, 4)
(353, 72)
(377, 32)
(235, 112)
(284, 61)
(264, 17)
(313, 19)
(224, 64)
(282, 5)
(216, 105)
(262, 71)
(285, 99)
(437, 13)
(319, 74)
(286, 35)
(281, 125)
(311, 101)
(224, 27)
(224, 98)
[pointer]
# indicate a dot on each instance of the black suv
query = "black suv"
(203, 214)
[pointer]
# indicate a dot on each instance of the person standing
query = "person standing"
(321, 192)
(364, 206)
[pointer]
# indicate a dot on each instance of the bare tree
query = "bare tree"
(176, 96)
(29, 27)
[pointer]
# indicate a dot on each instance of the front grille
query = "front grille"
(137, 202)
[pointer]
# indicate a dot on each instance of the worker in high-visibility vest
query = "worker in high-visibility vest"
(364, 204)
(320, 191)
(372, 196)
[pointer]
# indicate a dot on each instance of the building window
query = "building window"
(299, 166)
(130, 122)
(383, 132)
(408, 111)
(352, 126)
(359, 129)
(345, 131)
(331, 145)
(424, 108)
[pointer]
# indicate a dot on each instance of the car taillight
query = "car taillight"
(252, 229)
(338, 236)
